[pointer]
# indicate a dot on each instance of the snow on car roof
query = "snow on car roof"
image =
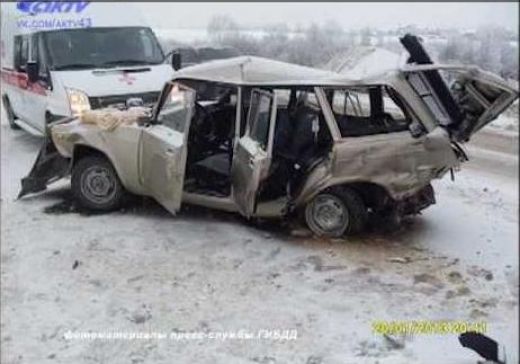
(260, 71)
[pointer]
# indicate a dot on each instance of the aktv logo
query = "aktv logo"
(39, 7)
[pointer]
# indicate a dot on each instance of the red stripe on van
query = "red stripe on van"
(19, 79)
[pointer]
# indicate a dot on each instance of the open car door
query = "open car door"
(473, 98)
(163, 146)
(252, 156)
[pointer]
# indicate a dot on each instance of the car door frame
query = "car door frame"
(251, 163)
(162, 152)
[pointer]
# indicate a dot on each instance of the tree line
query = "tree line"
(491, 48)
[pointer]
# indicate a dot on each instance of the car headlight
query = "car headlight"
(78, 101)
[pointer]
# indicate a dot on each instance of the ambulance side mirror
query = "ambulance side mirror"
(176, 60)
(33, 71)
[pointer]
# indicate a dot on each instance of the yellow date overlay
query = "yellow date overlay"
(427, 327)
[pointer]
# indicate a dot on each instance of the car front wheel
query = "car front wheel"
(335, 212)
(95, 184)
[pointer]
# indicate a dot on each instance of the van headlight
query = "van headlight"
(78, 101)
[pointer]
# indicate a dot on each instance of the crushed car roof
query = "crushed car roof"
(259, 71)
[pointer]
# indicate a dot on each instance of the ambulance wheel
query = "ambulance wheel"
(95, 184)
(10, 113)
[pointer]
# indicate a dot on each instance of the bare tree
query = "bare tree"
(491, 48)
(222, 27)
(366, 35)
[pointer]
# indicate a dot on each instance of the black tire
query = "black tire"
(95, 184)
(10, 114)
(348, 211)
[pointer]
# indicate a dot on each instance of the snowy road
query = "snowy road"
(142, 269)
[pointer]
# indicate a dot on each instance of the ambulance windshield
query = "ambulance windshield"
(101, 48)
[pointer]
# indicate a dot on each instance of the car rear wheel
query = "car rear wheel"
(95, 184)
(335, 212)
(10, 114)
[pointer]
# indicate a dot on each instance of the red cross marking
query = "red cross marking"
(127, 78)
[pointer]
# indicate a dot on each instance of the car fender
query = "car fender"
(120, 146)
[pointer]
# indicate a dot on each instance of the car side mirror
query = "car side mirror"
(176, 60)
(33, 70)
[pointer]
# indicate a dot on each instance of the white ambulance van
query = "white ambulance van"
(59, 58)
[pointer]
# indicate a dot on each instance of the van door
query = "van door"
(252, 156)
(36, 96)
(479, 96)
(163, 147)
(19, 76)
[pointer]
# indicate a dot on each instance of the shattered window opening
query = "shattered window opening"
(259, 117)
(354, 102)
(369, 110)
(176, 107)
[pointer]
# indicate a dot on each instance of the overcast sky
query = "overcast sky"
(350, 15)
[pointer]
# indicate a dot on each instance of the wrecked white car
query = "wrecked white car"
(270, 139)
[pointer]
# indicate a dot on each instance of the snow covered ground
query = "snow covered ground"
(508, 123)
(143, 270)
